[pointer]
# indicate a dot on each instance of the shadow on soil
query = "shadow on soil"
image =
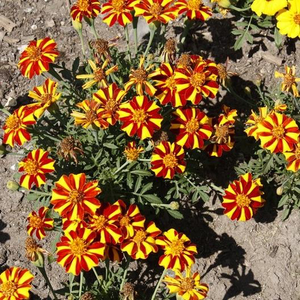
(3, 235)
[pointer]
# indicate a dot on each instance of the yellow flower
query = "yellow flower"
(222, 3)
(289, 79)
(268, 7)
(289, 19)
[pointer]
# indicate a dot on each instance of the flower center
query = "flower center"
(125, 221)
(34, 53)
(91, 116)
(155, 10)
(197, 79)
(192, 126)
(170, 161)
(31, 167)
(242, 200)
(46, 98)
(118, 5)
(278, 132)
(99, 222)
(222, 133)
(13, 122)
(83, 5)
(187, 284)
(76, 196)
(78, 246)
(297, 19)
(139, 116)
(176, 247)
(171, 82)
(8, 288)
(35, 221)
(297, 153)
(140, 75)
(222, 71)
(289, 80)
(194, 4)
(111, 105)
(140, 236)
(132, 154)
(99, 74)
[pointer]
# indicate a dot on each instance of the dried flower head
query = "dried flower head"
(128, 291)
(88, 296)
(100, 48)
(69, 147)
(33, 250)
(169, 51)
(184, 61)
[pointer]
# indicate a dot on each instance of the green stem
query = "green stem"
(125, 274)
(43, 272)
(239, 9)
(81, 42)
(5, 111)
(216, 188)
(94, 29)
(40, 193)
(97, 276)
(51, 137)
(122, 167)
(158, 284)
(144, 159)
(80, 284)
(152, 32)
(71, 279)
(127, 41)
(14, 153)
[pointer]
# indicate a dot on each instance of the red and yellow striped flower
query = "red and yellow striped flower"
(161, 11)
(44, 95)
(35, 165)
(132, 152)
(118, 11)
(142, 243)
(113, 253)
(167, 159)
(179, 251)
(15, 284)
(105, 221)
(198, 81)
(140, 116)
(243, 198)
(194, 9)
(15, 127)
(73, 197)
(110, 99)
(254, 120)
(69, 225)
(165, 83)
(187, 286)
(278, 133)
(77, 251)
(35, 59)
(191, 127)
(85, 8)
(38, 223)
(92, 116)
(293, 158)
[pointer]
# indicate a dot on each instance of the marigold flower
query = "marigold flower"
(254, 120)
(92, 116)
(169, 51)
(15, 283)
(167, 159)
(35, 165)
(268, 7)
(293, 158)
(100, 49)
(113, 253)
(289, 80)
(72, 196)
(132, 152)
(288, 20)
(45, 95)
(16, 124)
(187, 286)
(110, 99)
(278, 133)
(38, 223)
(99, 75)
(164, 81)
(77, 251)
(85, 8)
(140, 116)
(36, 57)
(142, 243)
(118, 11)
(198, 81)
(179, 251)
(69, 225)
(34, 252)
(191, 127)
(105, 221)
(194, 9)
(243, 198)
(156, 10)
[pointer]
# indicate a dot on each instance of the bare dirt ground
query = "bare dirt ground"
(255, 260)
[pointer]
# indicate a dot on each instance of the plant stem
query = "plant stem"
(125, 274)
(43, 272)
(127, 41)
(152, 32)
(5, 111)
(123, 166)
(82, 42)
(239, 9)
(94, 29)
(158, 284)
(40, 193)
(97, 276)
(80, 284)
(71, 279)
(51, 137)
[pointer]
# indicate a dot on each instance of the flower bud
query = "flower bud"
(279, 190)
(77, 25)
(174, 205)
(39, 260)
(12, 185)
(224, 3)
(247, 91)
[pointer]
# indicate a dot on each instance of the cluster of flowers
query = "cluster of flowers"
(287, 14)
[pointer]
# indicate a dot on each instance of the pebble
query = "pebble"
(33, 27)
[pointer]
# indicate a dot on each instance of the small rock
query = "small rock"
(33, 27)
(22, 48)
(28, 9)
(50, 23)
(271, 58)
(7, 24)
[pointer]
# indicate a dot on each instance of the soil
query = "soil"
(258, 259)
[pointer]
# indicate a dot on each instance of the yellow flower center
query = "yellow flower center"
(297, 19)
(197, 79)
(83, 5)
(34, 53)
(278, 131)
(125, 221)
(91, 116)
(194, 4)
(132, 154)
(139, 116)
(118, 5)
(8, 288)
(170, 161)
(222, 133)
(35, 221)
(140, 75)
(187, 284)
(78, 246)
(242, 200)
(140, 236)
(31, 167)
(99, 222)
(46, 98)
(288, 80)
(99, 74)
(222, 71)
(76, 196)
(13, 122)
(171, 82)
(155, 10)
(176, 247)
(192, 126)
(111, 105)
(297, 153)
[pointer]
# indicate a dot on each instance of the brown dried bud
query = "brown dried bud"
(87, 296)
(128, 291)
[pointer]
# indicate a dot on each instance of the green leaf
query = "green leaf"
(152, 198)
(286, 213)
(283, 201)
(32, 197)
(141, 172)
(237, 32)
(249, 37)
(204, 196)
(146, 188)
(195, 197)
(138, 184)
(239, 42)
(110, 146)
(129, 180)
(175, 214)
(75, 65)
(277, 38)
